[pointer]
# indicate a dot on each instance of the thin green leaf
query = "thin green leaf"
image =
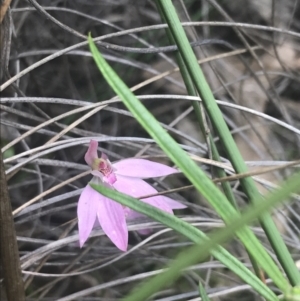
(202, 292)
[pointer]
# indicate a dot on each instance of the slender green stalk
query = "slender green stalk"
(231, 148)
(202, 293)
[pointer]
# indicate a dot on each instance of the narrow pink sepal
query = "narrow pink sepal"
(155, 202)
(145, 231)
(136, 188)
(162, 203)
(86, 212)
(110, 179)
(104, 156)
(98, 174)
(140, 168)
(91, 153)
(111, 217)
(172, 203)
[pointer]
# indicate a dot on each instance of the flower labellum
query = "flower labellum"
(125, 176)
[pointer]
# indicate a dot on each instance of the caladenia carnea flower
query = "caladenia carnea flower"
(125, 176)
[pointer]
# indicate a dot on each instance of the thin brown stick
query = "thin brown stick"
(3, 9)
(9, 252)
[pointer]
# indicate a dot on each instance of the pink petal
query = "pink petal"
(145, 231)
(136, 188)
(98, 174)
(161, 204)
(172, 203)
(104, 156)
(155, 202)
(110, 179)
(111, 217)
(86, 212)
(131, 214)
(140, 168)
(91, 153)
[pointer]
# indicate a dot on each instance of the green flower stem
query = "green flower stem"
(231, 148)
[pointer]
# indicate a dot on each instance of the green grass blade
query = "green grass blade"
(233, 153)
(197, 177)
(202, 293)
(293, 295)
(191, 233)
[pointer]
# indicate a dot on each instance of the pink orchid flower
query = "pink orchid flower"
(125, 176)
